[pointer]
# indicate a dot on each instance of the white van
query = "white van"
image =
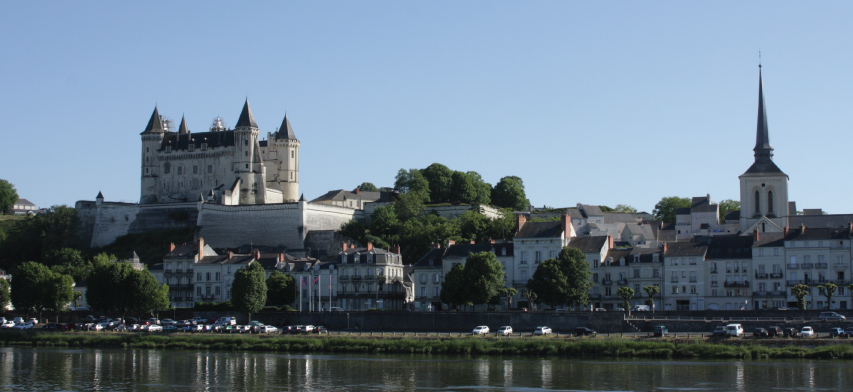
(226, 321)
(641, 308)
(735, 330)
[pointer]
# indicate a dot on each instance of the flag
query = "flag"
(316, 279)
(303, 280)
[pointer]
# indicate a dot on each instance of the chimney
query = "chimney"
(491, 240)
(230, 255)
(520, 220)
(171, 246)
(352, 246)
(256, 254)
(450, 243)
(473, 242)
(755, 235)
(343, 247)
(369, 246)
(356, 191)
(663, 248)
(610, 242)
(396, 249)
(567, 226)
(785, 231)
(850, 228)
(802, 229)
(200, 247)
(281, 257)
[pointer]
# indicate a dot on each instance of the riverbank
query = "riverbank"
(696, 348)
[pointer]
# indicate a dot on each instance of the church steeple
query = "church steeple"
(246, 118)
(763, 149)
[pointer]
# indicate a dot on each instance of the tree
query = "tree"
(354, 229)
(4, 294)
(625, 208)
(281, 289)
(727, 206)
(828, 290)
(144, 294)
(35, 288)
(483, 189)
(508, 293)
(666, 208)
(626, 293)
(77, 296)
(651, 291)
(120, 289)
(531, 297)
(8, 197)
(453, 288)
(462, 188)
(69, 261)
(36, 236)
(408, 206)
(509, 193)
(368, 187)
(440, 179)
(564, 280)
(484, 276)
(249, 290)
(800, 291)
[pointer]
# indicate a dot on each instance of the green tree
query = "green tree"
(249, 290)
(651, 291)
(440, 179)
(107, 288)
(144, 294)
(727, 206)
(625, 208)
(462, 188)
(666, 208)
(503, 226)
(509, 193)
(564, 280)
(474, 226)
(69, 261)
(368, 187)
(355, 230)
(828, 290)
(281, 289)
(385, 223)
(531, 297)
(36, 236)
(484, 275)
(408, 206)
(77, 296)
(8, 197)
(626, 293)
(412, 181)
(454, 291)
(58, 293)
(483, 189)
(35, 288)
(508, 293)
(800, 291)
(5, 295)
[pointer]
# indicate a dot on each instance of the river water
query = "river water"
(45, 369)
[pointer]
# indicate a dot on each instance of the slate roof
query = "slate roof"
(617, 254)
(620, 217)
(678, 249)
(182, 129)
(190, 250)
(592, 210)
(540, 230)
(835, 220)
(732, 216)
(703, 204)
(763, 150)
(588, 244)
(818, 233)
(769, 240)
(341, 195)
(154, 124)
(285, 131)
(462, 250)
(213, 139)
(433, 259)
(247, 119)
(730, 247)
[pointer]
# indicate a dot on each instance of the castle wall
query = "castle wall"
(102, 224)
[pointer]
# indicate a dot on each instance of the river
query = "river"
(47, 369)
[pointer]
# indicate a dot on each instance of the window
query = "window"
(674, 261)
(692, 261)
(757, 208)
(209, 169)
(180, 170)
(692, 289)
(198, 278)
(198, 290)
(423, 278)
(217, 276)
(195, 169)
(436, 278)
(435, 292)
(607, 291)
(636, 273)
(246, 153)
(523, 257)
(292, 153)
(769, 201)
(538, 257)
(208, 276)
(229, 269)
(217, 290)
(675, 289)
(423, 291)
(191, 147)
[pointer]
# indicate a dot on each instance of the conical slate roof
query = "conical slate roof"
(285, 131)
(246, 117)
(763, 150)
(183, 128)
(154, 124)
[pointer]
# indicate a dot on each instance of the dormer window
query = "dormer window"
(204, 146)
(191, 147)
(168, 148)
(636, 258)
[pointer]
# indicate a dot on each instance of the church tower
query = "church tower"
(763, 187)
(248, 164)
(152, 138)
(287, 147)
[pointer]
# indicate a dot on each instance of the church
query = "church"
(221, 166)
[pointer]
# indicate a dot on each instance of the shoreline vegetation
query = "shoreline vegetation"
(585, 348)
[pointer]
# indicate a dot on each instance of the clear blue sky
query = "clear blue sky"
(588, 102)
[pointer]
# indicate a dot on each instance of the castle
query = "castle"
(223, 166)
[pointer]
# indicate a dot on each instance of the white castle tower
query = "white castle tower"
(287, 174)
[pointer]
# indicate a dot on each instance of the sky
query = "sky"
(605, 103)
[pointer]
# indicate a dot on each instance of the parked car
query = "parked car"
(830, 316)
(505, 330)
(481, 330)
(542, 331)
(807, 332)
(735, 330)
(660, 330)
(836, 332)
(8, 324)
(152, 328)
(760, 333)
(306, 328)
(193, 328)
(152, 321)
(168, 321)
(848, 332)
(256, 326)
(170, 328)
(321, 330)
(774, 331)
(584, 331)
(641, 308)
(97, 327)
(27, 325)
(267, 329)
(720, 331)
(790, 332)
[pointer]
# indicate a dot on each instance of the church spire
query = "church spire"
(246, 117)
(155, 125)
(183, 128)
(763, 149)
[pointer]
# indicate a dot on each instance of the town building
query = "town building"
(23, 207)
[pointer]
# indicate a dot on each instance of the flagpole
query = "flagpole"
(301, 283)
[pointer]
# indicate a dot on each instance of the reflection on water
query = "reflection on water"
(113, 370)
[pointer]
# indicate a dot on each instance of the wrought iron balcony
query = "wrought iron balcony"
(736, 284)
(762, 275)
(775, 275)
(821, 265)
(622, 282)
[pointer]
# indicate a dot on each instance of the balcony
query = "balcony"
(519, 282)
(794, 282)
(674, 280)
(343, 278)
(622, 282)
(775, 275)
(189, 270)
(793, 266)
(769, 294)
(807, 265)
(737, 284)
(367, 279)
(821, 265)
(606, 281)
(693, 280)
(177, 299)
(760, 275)
(713, 271)
(840, 266)
(714, 283)
(207, 296)
(356, 278)
(595, 296)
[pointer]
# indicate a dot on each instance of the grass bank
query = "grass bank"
(548, 346)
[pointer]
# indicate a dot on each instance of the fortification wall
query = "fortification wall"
(102, 224)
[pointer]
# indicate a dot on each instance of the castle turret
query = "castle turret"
(152, 138)
(287, 176)
(248, 164)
